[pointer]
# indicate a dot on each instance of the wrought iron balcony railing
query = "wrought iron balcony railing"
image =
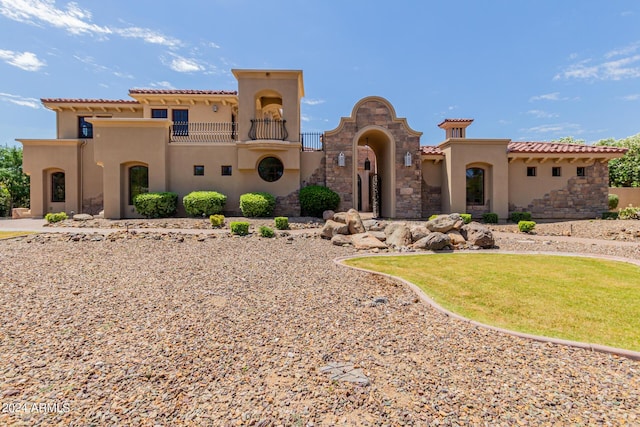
(268, 129)
(203, 132)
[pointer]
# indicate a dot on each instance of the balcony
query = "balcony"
(268, 129)
(203, 132)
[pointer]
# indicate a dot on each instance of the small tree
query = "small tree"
(13, 178)
(624, 171)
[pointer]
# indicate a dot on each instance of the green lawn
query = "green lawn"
(575, 298)
(10, 234)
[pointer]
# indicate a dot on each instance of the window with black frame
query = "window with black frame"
(475, 186)
(138, 181)
(85, 129)
(270, 169)
(57, 187)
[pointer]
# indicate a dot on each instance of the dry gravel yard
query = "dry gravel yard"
(168, 329)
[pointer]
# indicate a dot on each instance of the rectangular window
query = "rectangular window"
(226, 170)
(159, 113)
(531, 171)
(581, 171)
(57, 187)
(85, 129)
(556, 171)
(180, 122)
(198, 170)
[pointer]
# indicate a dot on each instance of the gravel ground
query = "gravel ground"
(169, 329)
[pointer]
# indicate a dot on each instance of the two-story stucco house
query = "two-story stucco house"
(234, 142)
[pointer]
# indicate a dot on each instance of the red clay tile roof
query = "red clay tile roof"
(455, 121)
(87, 101)
(431, 149)
(556, 147)
(181, 92)
(541, 148)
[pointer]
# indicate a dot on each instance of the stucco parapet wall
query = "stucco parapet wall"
(589, 157)
(128, 122)
(52, 142)
(275, 74)
(269, 145)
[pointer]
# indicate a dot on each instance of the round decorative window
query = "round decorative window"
(270, 169)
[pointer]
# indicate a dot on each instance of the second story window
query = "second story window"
(159, 113)
(85, 129)
(180, 122)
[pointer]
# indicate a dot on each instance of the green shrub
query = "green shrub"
(257, 204)
(266, 231)
(217, 220)
(520, 216)
(526, 226)
(629, 213)
(55, 217)
(282, 222)
(609, 215)
(156, 205)
(204, 203)
(466, 218)
(5, 201)
(490, 218)
(315, 199)
(241, 228)
(434, 216)
(613, 201)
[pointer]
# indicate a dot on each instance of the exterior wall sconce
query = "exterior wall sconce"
(215, 108)
(367, 162)
(341, 160)
(407, 159)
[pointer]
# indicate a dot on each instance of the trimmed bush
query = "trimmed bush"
(204, 203)
(156, 205)
(5, 201)
(526, 226)
(629, 213)
(434, 216)
(257, 204)
(266, 231)
(520, 216)
(217, 220)
(282, 222)
(241, 228)
(55, 217)
(315, 199)
(613, 201)
(609, 215)
(490, 218)
(466, 218)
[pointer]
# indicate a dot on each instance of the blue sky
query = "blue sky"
(523, 69)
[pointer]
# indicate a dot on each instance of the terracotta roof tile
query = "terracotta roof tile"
(87, 101)
(181, 92)
(455, 121)
(431, 150)
(556, 147)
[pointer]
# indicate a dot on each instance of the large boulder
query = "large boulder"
(328, 214)
(331, 228)
(456, 237)
(82, 217)
(478, 234)
(400, 235)
(444, 223)
(374, 225)
(418, 232)
(340, 217)
(433, 242)
(366, 241)
(380, 235)
(354, 222)
(341, 240)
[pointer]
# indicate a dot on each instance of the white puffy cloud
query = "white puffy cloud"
(617, 64)
(21, 101)
(27, 61)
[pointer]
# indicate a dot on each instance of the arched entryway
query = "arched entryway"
(394, 146)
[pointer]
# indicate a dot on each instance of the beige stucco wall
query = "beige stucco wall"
(198, 112)
(490, 154)
(627, 196)
(43, 157)
(67, 120)
(523, 189)
(121, 143)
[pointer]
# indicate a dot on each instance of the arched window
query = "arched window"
(138, 181)
(57, 187)
(475, 186)
(270, 169)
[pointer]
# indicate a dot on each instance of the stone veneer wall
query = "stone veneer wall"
(583, 197)
(374, 112)
(289, 205)
(92, 205)
(431, 200)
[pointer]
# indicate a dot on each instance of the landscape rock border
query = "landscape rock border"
(630, 354)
